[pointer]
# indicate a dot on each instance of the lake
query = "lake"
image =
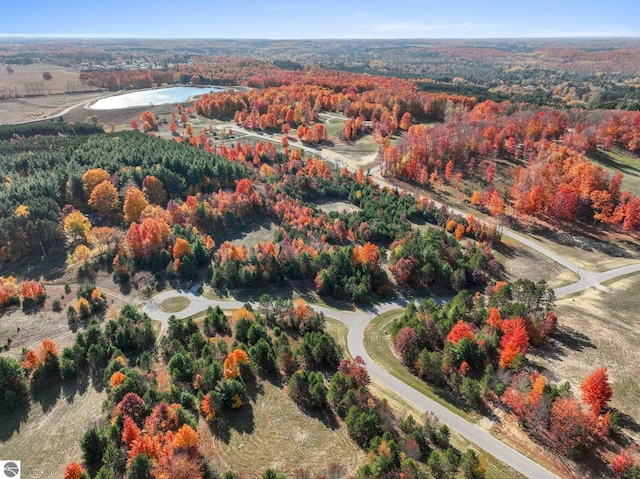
(158, 96)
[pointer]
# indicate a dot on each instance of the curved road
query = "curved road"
(357, 322)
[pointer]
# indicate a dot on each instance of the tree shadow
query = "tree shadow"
(12, 419)
(326, 416)
(73, 387)
(577, 235)
(50, 267)
(573, 339)
(505, 250)
(627, 421)
(47, 393)
(240, 420)
(603, 158)
(125, 288)
(253, 388)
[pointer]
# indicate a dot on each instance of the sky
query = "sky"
(297, 19)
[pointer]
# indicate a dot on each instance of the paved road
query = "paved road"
(357, 322)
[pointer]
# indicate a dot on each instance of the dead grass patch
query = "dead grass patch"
(271, 431)
(520, 261)
(337, 206)
(598, 329)
(50, 437)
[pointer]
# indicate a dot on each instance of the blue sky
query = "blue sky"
(297, 19)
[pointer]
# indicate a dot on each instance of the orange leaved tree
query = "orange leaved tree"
(596, 390)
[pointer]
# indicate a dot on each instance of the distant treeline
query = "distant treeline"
(479, 92)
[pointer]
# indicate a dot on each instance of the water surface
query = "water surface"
(151, 97)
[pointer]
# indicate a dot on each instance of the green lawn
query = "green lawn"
(617, 160)
(174, 304)
(378, 344)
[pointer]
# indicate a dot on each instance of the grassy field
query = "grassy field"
(26, 79)
(598, 329)
(271, 431)
(338, 331)
(617, 160)
(49, 436)
(255, 230)
(520, 261)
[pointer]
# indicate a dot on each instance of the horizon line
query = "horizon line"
(120, 36)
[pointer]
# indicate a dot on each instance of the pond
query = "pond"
(151, 97)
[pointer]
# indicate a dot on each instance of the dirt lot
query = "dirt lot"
(337, 206)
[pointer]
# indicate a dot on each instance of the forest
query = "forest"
(160, 201)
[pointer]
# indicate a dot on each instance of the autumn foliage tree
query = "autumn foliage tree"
(460, 330)
(596, 390)
(74, 471)
(147, 238)
(105, 200)
(81, 254)
(232, 363)
(76, 226)
(32, 293)
(149, 121)
(514, 342)
(134, 204)
(9, 292)
(154, 190)
(569, 426)
(93, 178)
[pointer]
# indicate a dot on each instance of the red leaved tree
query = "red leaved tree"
(460, 330)
(406, 344)
(73, 471)
(514, 342)
(596, 390)
(569, 426)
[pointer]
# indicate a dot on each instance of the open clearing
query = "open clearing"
(39, 108)
(603, 329)
(25, 77)
(255, 230)
(616, 160)
(336, 206)
(49, 437)
(275, 433)
(520, 261)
